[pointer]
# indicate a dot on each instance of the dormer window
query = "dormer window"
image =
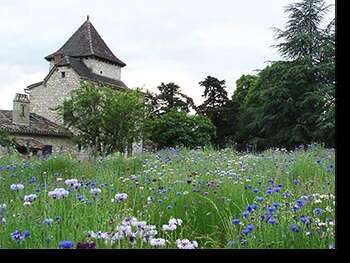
(63, 74)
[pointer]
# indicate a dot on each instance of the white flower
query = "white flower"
(17, 187)
(157, 242)
(71, 182)
(177, 222)
(98, 234)
(169, 227)
(95, 191)
(119, 197)
(186, 244)
(58, 193)
(30, 198)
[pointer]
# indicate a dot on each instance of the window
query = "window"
(63, 74)
(22, 110)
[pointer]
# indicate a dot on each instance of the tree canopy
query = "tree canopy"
(104, 119)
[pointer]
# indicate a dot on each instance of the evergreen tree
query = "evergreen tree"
(170, 97)
(218, 108)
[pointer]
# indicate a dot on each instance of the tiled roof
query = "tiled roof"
(38, 126)
(86, 42)
(85, 73)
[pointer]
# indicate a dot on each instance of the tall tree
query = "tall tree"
(218, 108)
(293, 101)
(303, 35)
(170, 96)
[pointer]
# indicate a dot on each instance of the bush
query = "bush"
(176, 128)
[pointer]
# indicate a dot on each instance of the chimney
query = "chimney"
(21, 109)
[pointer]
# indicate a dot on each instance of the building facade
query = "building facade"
(84, 57)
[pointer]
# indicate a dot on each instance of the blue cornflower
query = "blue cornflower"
(178, 194)
(304, 219)
(296, 181)
(252, 207)
(169, 207)
(318, 211)
(48, 221)
(294, 228)
(26, 233)
(271, 221)
(330, 168)
(58, 219)
(18, 236)
(260, 199)
(235, 221)
(56, 174)
(295, 208)
(250, 227)
(66, 244)
(277, 189)
(271, 209)
(318, 161)
(276, 204)
(262, 217)
(271, 181)
(300, 203)
(256, 190)
(245, 214)
(286, 194)
(269, 191)
(245, 231)
(32, 180)
(248, 187)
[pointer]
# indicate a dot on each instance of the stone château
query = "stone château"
(85, 56)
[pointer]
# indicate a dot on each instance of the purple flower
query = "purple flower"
(81, 245)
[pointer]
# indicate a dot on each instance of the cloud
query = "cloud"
(161, 41)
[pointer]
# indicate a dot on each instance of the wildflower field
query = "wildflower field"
(175, 198)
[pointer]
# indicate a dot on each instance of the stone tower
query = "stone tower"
(85, 56)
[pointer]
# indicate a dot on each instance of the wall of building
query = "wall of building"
(53, 93)
(60, 145)
(107, 69)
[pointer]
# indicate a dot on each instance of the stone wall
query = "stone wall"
(53, 93)
(60, 145)
(107, 69)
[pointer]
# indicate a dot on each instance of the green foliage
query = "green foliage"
(219, 109)
(244, 85)
(303, 35)
(104, 119)
(6, 140)
(170, 97)
(176, 128)
(292, 102)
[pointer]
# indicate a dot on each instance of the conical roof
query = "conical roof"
(86, 42)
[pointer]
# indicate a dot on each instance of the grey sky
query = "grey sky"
(159, 40)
